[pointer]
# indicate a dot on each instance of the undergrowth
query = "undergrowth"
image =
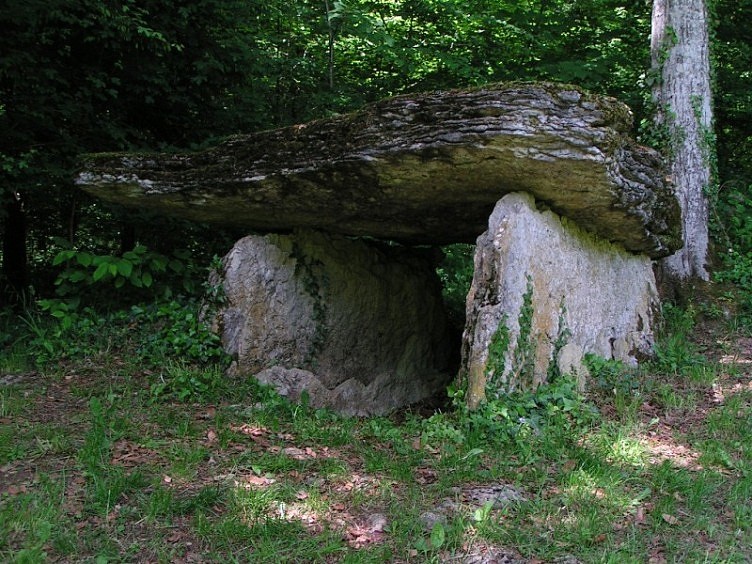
(128, 442)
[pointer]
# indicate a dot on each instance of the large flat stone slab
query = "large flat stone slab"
(423, 168)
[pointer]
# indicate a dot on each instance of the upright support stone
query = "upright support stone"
(358, 327)
(545, 291)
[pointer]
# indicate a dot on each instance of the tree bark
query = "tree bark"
(15, 268)
(681, 62)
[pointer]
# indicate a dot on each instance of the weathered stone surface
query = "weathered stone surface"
(359, 327)
(585, 296)
(423, 168)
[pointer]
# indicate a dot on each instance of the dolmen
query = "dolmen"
(334, 297)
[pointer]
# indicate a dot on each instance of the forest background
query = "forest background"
(91, 76)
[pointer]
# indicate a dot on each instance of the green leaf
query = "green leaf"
(77, 276)
(125, 268)
(84, 259)
(474, 452)
(62, 256)
(100, 272)
(438, 535)
(146, 279)
(158, 263)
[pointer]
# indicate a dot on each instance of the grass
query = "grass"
(105, 458)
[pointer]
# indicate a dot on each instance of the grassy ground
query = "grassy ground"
(107, 458)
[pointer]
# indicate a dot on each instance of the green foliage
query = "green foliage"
(456, 275)
(83, 76)
(675, 353)
(95, 453)
(139, 272)
(179, 331)
(733, 230)
(106, 483)
(612, 376)
(497, 355)
(69, 333)
(660, 135)
(185, 382)
(612, 382)
(523, 364)
(516, 417)
(155, 332)
(499, 380)
(562, 338)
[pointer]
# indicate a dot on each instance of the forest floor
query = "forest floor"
(98, 463)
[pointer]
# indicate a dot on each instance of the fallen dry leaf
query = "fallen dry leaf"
(15, 490)
(250, 430)
(425, 476)
(258, 481)
(640, 515)
(670, 519)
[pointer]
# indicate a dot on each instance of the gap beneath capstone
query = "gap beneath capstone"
(359, 326)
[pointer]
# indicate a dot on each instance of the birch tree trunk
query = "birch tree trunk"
(680, 53)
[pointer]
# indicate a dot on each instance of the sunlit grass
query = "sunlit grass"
(237, 473)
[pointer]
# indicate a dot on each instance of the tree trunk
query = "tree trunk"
(681, 61)
(14, 251)
(127, 236)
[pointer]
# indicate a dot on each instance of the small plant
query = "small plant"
(499, 377)
(513, 417)
(612, 376)
(435, 540)
(675, 353)
(68, 334)
(496, 366)
(523, 364)
(187, 383)
(177, 330)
